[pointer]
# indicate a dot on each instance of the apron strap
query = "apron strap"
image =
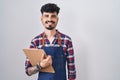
(43, 39)
(59, 39)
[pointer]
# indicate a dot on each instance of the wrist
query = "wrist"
(38, 66)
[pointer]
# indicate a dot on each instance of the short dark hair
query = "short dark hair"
(50, 7)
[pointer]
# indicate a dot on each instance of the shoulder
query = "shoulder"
(38, 37)
(36, 41)
(64, 36)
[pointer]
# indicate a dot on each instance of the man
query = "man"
(57, 46)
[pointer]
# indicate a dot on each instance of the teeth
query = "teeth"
(49, 22)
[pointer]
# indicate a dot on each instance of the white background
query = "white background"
(93, 25)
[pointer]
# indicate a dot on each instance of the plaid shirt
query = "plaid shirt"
(67, 48)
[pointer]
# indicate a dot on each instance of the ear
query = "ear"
(58, 18)
(41, 18)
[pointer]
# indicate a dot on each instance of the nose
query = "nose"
(49, 18)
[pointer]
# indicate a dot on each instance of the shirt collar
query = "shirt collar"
(45, 36)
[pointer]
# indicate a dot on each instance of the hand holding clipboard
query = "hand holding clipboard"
(35, 56)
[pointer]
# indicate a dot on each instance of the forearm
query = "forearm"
(30, 69)
(71, 68)
(43, 64)
(71, 73)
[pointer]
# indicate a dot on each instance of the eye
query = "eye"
(46, 16)
(53, 16)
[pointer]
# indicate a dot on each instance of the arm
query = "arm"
(29, 69)
(45, 62)
(71, 62)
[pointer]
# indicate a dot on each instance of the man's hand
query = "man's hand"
(45, 62)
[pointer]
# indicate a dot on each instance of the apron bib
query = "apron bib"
(59, 64)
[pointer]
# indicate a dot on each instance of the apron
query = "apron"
(59, 63)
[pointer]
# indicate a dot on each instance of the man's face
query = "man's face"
(49, 20)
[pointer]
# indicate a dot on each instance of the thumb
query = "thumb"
(48, 57)
(42, 57)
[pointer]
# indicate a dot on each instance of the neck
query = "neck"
(50, 33)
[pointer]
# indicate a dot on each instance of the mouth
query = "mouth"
(50, 25)
(49, 22)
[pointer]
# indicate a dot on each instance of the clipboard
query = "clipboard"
(35, 55)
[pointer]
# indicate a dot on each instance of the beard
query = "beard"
(50, 26)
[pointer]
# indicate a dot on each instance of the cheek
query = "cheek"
(56, 21)
(43, 21)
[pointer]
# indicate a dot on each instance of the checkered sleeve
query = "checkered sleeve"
(27, 62)
(70, 61)
(27, 65)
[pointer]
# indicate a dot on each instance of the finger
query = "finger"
(50, 60)
(49, 57)
(42, 57)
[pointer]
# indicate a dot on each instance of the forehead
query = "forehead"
(49, 13)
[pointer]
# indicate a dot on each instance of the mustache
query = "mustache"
(49, 21)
